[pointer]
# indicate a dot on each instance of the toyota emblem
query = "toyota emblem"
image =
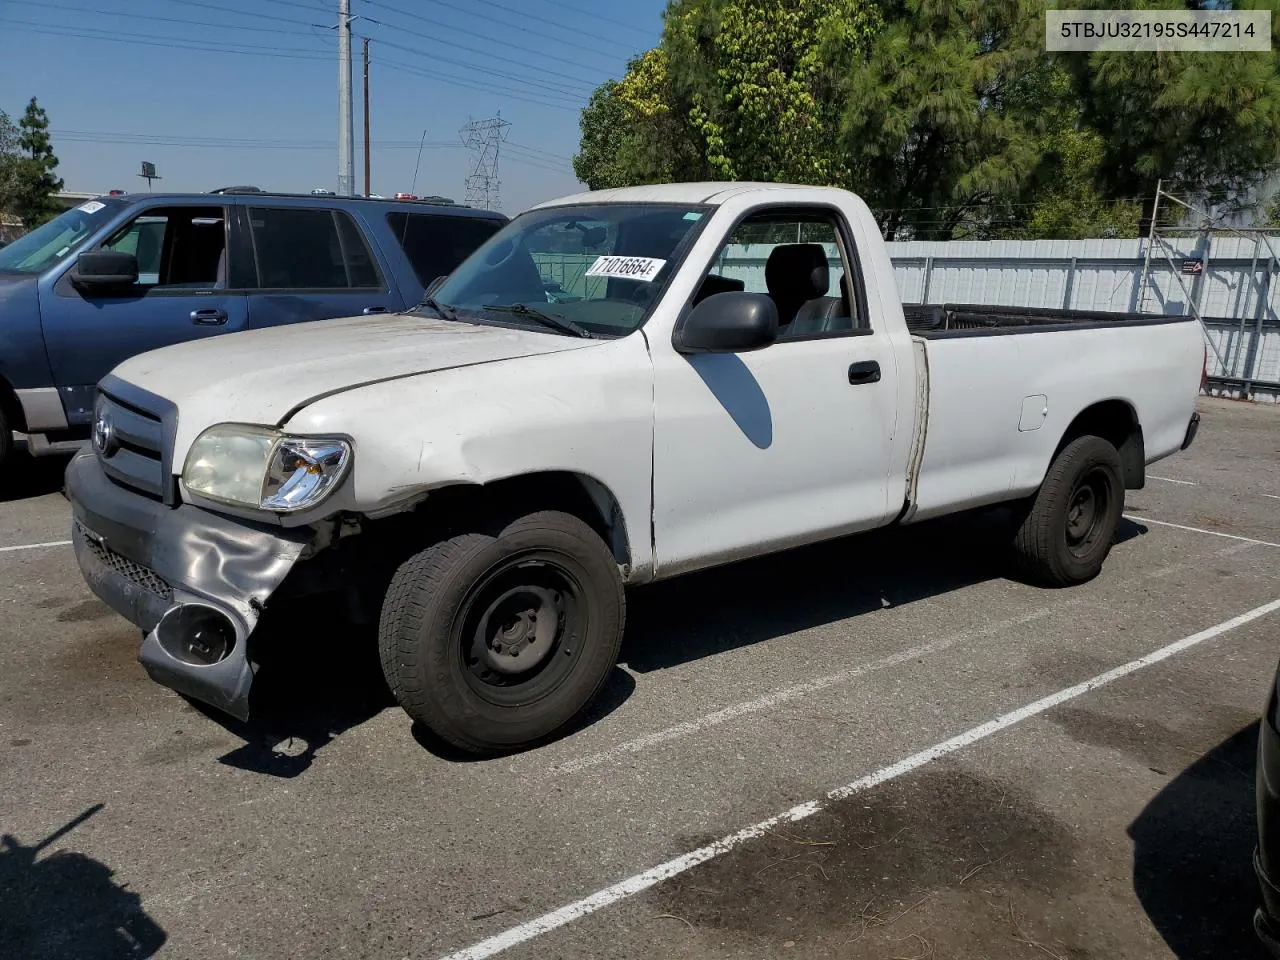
(104, 435)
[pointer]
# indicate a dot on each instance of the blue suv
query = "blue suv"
(118, 276)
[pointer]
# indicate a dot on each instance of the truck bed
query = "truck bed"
(938, 320)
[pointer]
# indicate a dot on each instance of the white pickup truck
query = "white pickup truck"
(618, 387)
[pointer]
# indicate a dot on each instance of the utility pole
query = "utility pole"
(367, 191)
(346, 135)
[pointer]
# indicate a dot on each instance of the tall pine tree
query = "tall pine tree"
(36, 182)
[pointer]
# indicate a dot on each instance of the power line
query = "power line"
(601, 16)
(565, 92)
(244, 13)
(598, 72)
(578, 31)
(173, 43)
(450, 80)
(303, 6)
(546, 153)
(181, 140)
(185, 22)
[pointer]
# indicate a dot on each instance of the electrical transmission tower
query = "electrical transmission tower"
(482, 138)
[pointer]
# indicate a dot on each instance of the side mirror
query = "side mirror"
(435, 285)
(732, 322)
(103, 269)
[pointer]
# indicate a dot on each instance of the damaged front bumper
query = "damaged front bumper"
(194, 581)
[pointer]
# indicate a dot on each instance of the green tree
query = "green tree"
(632, 133)
(36, 183)
(1208, 124)
(8, 162)
(946, 119)
(947, 116)
(760, 82)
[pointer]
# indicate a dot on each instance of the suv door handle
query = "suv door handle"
(368, 310)
(209, 316)
(867, 371)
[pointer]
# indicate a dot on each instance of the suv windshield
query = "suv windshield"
(59, 238)
(599, 266)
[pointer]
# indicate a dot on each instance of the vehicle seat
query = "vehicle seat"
(795, 274)
(713, 283)
(823, 315)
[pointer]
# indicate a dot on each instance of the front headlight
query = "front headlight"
(262, 468)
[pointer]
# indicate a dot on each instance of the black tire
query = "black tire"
(547, 576)
(1067, 532)
(6, 440)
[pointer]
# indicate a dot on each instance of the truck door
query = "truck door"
(784, 445)
(183, 292)
(313, 263)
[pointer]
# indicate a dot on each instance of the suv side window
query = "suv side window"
(303, 248)
(176, 247)
(436, 243)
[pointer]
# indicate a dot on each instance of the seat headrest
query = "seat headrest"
(797, 270)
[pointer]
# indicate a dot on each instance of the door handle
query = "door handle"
(369, 310)
(866, 371)
(209, 316)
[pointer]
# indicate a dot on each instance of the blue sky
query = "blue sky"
(221, 92)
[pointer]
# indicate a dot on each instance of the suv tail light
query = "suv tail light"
(1204, 370)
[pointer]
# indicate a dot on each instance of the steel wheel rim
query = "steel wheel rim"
(519, 631)
(1087, 510)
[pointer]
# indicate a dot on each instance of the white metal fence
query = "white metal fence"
(1229, 280)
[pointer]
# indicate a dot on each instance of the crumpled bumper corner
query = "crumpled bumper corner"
(146, 560)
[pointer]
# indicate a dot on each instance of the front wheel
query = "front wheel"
(494, 641)
(1067, 533)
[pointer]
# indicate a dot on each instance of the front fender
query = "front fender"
(584, 412)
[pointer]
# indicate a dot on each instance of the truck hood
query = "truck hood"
(263, 376)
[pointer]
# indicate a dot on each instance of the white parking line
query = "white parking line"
(1271, 496)
(36, 546)
(1211, 533)
(806, 688)
(665, 871)
(1185, 483)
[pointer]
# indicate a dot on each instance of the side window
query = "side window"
(302, 248)
(798, 259)
(176, 247)
(435, 244)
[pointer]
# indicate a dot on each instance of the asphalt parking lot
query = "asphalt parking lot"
(872, 689)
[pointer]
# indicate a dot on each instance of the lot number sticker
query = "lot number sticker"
(628, 268)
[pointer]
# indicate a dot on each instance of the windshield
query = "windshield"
(57, 239)
(599, 267)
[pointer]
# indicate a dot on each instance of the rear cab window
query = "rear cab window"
(436, 243)
(305, 248)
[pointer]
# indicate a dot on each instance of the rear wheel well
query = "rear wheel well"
(1116, 422)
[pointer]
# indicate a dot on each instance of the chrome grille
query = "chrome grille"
(129, 443)
(136, 573)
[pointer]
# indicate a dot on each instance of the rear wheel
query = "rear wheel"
(6, 440)
(494, 641)
(1070, 525)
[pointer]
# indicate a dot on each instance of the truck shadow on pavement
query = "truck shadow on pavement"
(67, 905)
(757, 600)
(25, 477)
(1193, 855)
(320, 675)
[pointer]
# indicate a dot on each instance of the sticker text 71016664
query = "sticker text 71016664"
(627, 268)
